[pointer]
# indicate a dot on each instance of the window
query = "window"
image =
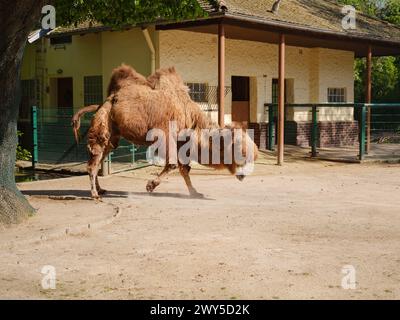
(337, 95)
(198, 91)
(60, 40)
(93, 90)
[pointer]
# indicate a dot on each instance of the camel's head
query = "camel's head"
(244, 151)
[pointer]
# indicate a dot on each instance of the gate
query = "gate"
(54, 143)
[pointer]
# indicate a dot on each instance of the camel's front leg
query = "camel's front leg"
(113, 145)
(93, 170)
(184, 170)
(152, 184)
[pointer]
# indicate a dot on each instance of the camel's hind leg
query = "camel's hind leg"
(152, 184)
(184, 170)
(99, 189)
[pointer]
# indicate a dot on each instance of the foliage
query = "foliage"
(385, 79)
(386, 70)
(369, 7)
(22, 154)
(120, 13)
(391, 12)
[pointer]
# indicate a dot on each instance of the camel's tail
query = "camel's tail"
(76, 119)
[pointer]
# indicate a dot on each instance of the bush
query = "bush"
(22, 154)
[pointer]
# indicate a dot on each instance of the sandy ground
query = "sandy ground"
(283, 233)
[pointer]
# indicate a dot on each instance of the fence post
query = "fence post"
(106, 166)
(362, 136)
(314, 132)
(271, 125)
(35, 153)
(133, 153)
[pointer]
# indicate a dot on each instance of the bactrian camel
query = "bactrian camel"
(134, 106)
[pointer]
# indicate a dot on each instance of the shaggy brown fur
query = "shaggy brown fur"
(123, 75)
(137, 105)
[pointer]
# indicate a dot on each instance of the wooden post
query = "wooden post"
(221, 74)
(368, 98)
(106, 166)
(281, 101)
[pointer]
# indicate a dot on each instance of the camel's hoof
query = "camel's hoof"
(102, 191)
(197, 195)
(151, 185)
(97, 198)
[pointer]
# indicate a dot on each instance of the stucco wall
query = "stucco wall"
(28, 63)
(127, 47)
(195, 56)
(80, 58)
(329, 69)
(313, 70)
(89, 55)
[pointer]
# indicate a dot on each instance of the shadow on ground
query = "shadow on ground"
(109, 194)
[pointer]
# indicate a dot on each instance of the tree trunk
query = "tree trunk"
(17, 19)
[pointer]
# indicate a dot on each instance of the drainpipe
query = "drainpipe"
(151, 48)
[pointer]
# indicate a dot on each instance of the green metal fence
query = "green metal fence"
(54, 143)
(382, 140)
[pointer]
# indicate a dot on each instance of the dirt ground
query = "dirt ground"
(283, 233)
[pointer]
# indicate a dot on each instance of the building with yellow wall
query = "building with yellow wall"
(70, 68)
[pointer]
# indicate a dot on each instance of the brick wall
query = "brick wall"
(260, 134)
(331, 134)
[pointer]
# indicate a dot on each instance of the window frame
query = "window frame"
(337, 95)
(198, 91)
(90, 96)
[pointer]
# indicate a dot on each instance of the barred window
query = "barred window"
(198, 91)
(337, 95)
(93, 90)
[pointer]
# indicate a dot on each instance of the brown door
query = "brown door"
(241, 99)
(65, 96)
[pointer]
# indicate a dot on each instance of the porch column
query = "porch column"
(368, 97)
(221, 74)
(281, 100)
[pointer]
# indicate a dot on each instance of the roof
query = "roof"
(81, 28)
(307, 17)
(322, 15)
